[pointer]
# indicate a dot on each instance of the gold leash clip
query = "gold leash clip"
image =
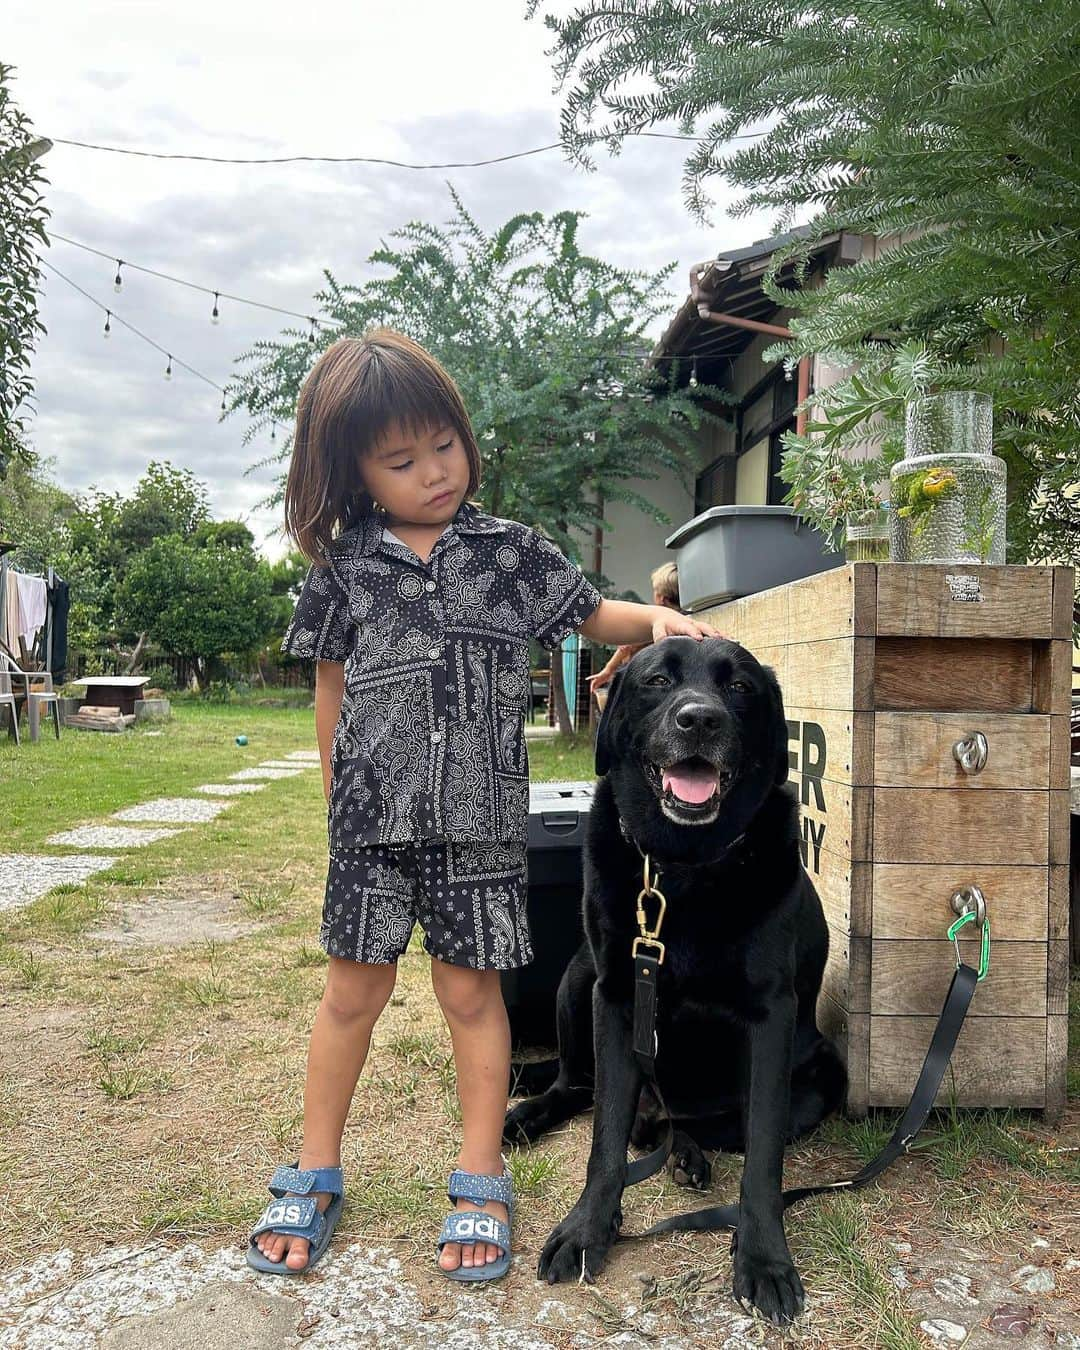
(650, 937)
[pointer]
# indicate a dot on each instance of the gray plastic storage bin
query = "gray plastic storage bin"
(730, 551)
(557, 815)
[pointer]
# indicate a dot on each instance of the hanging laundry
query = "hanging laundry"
(33, 603)
(60, 599)
(10, 635)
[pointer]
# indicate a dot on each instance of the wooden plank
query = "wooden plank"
(1064, 599)
(821, 741)
(813, 674)
(1060, 750)
(1058, 909)
(1051, 676)
(942, 675)
(850, 1032)
(912, 977)
(840, 602)
(1005, 1068)
(911, 900)
(915, 749)
(950, 825)
(954, 601)
(1057, 1052)
(1059, 826)
(836, 976)
(831, 876)
(1057, 975)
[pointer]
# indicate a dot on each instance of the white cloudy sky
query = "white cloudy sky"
(416, 80)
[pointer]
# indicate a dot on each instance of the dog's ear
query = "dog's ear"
(605, 731)
(780, 727)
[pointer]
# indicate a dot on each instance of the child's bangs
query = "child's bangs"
(399, 399)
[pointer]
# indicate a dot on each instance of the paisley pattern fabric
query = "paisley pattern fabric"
(469, 899)
(430, 745)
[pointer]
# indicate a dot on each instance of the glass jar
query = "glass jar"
(866, 535)
(948, 493)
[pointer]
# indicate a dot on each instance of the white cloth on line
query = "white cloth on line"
(33, 603)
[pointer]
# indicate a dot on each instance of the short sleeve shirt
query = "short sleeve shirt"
(430, 745)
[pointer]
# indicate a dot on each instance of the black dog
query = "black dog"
(693, 743)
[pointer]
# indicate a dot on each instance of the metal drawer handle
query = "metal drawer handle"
(971, 753)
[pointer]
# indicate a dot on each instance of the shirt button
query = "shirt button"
(435, 653)
(429, 585)
(436, 737)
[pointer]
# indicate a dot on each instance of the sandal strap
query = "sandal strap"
(297, 1216)
(305, 1180)
(478, 1188)
(470, 1225)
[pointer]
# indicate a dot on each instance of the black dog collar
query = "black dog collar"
(697, 862)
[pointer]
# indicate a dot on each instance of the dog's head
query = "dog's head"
(700, 722)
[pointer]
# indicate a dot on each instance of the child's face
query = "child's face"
(417, 481)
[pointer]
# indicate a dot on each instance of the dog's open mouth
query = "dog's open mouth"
(689, 789)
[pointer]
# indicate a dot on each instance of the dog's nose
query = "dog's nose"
(698, 717)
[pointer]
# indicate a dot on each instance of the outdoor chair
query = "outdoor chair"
(38, 693)
(7, 700)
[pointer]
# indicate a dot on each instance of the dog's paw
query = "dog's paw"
(577, 1249)
(688, 1165)
(769, 1284)
(526, 1122)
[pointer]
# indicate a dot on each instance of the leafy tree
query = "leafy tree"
(197, 600)
(547, 345)
(22, 226)
(952, 124)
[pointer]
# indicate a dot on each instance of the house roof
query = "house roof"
(731, 284)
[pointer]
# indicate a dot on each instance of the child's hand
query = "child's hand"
(621, 656)
(670, 623)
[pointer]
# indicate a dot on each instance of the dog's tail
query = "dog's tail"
(530, 1077)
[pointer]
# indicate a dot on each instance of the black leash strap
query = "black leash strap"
(954, 1009)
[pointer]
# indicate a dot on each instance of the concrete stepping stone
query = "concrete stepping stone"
(244, 775)
(287, 764)
(229, 789)
(109, 836)
(191, 810)
(24, 877)
(311, 756)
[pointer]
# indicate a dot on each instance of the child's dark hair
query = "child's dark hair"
(353, 394)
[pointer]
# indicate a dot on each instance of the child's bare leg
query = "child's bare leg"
(354, 997)
(473, 1006)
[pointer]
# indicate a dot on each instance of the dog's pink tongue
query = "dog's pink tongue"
(690, 782)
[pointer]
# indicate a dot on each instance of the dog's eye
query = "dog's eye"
(739, 687)
(658, 679)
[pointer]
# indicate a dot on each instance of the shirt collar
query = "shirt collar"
(468, 519)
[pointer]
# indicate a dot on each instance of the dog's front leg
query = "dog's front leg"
(580, 1244)
(765, 1275)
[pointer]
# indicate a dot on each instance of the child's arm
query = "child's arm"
(329, 689)
(622, 621)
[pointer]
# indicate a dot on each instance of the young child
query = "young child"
(665, 591)
(418, 611)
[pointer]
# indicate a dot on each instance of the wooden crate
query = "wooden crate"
(884, 668)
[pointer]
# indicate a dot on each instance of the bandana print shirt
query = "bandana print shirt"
(430, 745)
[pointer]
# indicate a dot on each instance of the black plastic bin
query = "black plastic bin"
(557, 813)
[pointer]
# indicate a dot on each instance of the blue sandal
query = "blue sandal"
(469, 1226)
(298, 1215)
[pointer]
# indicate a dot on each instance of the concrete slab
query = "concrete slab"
(24, 877)
(245, 775)
(288, 764)
(312, 755)
(109, 836)
(229, 789)
(190, 810)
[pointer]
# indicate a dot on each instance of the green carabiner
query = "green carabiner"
(984, 953)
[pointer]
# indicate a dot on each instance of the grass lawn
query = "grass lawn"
(151, 1082)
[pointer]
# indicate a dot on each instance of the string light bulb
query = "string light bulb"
(215, 316)
(311, 333)
(223, 407)
(693, 381)
(168, 368)
(118, 280)
(108, 323)
(273, 431)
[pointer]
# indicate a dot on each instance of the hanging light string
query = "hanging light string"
(374, 159)
(195, 286)
(170, 360)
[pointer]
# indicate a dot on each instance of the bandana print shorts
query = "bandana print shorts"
(469, 898)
